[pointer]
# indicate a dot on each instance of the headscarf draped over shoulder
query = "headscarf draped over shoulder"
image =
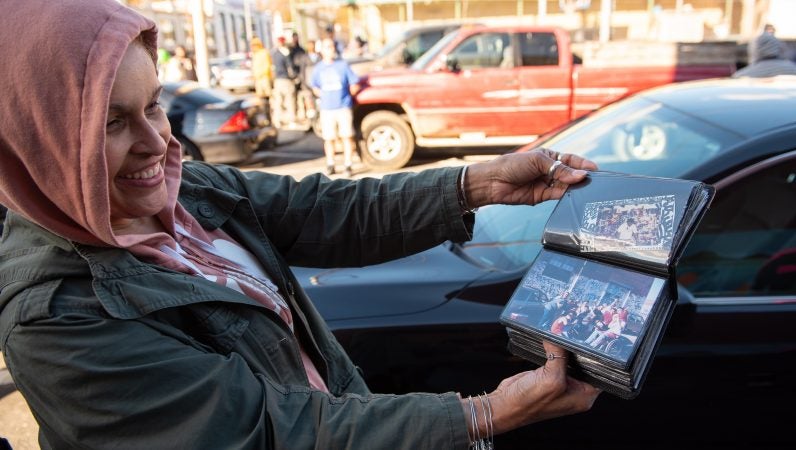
(59, 63)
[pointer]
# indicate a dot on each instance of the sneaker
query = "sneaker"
(348, 172)
(330, 170)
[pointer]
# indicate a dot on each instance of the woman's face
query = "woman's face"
(136, 136)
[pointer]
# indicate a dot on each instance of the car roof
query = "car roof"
(747, 106)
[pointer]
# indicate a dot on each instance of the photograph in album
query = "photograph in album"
(604, 284)
(586, 304)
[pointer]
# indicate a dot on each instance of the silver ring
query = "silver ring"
(559, 156)
(552, 356)
(553, 168)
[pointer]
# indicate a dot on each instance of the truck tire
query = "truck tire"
(388, 141)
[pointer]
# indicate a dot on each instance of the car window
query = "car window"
(507, 237)
(419, 44)
(166, 100)
(199, 97)
(482, 50)
(746, 244)
(646, 137)
(539, 49)
(432, 53)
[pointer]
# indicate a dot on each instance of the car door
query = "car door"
(476, 97)
(544, 81)
(734, 344)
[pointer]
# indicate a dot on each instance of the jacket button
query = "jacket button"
(205, 210)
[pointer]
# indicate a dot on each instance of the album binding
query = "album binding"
(603, 286)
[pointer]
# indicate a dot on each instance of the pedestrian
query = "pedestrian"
(302, 62)
(261, 71)
(179, 67)
(330, 33)
(336, 84)
(769, 54)
(148, 303)
(284, 93)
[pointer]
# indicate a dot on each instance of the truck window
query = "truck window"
(482, 50)
(539, 49)
(419, 44)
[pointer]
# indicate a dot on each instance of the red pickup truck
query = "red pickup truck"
(494, 87)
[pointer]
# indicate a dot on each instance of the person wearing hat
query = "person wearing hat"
(768, 59)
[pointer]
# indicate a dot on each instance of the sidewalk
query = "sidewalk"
(17, 424)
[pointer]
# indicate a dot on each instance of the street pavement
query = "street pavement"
(297, 154)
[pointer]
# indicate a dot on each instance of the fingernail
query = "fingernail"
(579, 173)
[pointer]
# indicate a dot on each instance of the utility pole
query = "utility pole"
(606, 7)
(247, 19)
(200, 42)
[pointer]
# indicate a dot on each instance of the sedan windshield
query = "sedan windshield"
(638, 135)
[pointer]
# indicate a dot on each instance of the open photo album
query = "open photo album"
(604, 284)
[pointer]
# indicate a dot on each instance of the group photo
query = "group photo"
(590, 304)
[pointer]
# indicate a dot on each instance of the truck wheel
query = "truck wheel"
(388, 140)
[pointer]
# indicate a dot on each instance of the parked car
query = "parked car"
(233, 73)
(723, 376)
(214, 126)
(403, 50)
(504, 85)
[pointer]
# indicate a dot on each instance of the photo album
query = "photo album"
(603, 286)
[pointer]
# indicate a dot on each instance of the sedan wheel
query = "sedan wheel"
(190, 152)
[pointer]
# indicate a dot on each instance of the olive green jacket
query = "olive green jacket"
(112, 352)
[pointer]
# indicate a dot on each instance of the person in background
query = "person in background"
(261, 70)
(336, 84)
(357, 48)
(330, 33)
(179, 67)
(769, 58)
(284, 93)
(149, 303)
(300, 58)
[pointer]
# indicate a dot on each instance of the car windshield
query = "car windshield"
(390, 46)
(432, 53)
(637, 135)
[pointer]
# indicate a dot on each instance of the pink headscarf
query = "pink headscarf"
(59, 63)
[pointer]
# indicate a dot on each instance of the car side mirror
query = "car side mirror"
(407, 57)
(452, 63)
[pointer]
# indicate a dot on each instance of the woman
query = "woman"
(149, 305)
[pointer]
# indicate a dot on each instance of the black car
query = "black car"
(724, 374)
(215, 126)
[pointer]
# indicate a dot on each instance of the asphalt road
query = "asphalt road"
(298, 154)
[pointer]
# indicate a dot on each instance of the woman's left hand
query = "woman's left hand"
(524, 178)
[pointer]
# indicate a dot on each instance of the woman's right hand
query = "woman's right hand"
(536, 395)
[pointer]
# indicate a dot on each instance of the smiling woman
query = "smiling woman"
(171, 279)
(136, 141)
